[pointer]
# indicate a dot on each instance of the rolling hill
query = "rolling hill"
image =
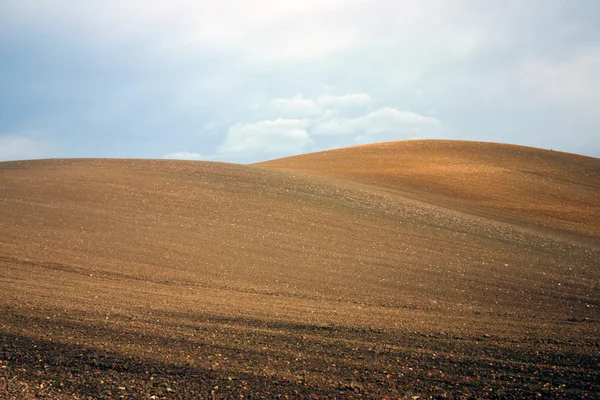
(397, 269)
(504, 182)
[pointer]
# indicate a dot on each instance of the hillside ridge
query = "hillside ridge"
(506, 182)
(178, 279)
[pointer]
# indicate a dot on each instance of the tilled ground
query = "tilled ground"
(162, 279)
(221, 357)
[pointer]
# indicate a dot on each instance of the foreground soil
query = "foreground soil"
(332, 275)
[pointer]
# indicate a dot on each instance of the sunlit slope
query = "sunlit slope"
(516, 183)
(243, 229)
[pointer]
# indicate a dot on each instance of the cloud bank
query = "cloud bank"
(303, 124)
(227, 78)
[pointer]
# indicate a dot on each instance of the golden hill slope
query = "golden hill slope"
(508, 182)
(261, 281)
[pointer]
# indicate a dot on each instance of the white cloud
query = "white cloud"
(326, 118)
(565, 81)
(323, 106)
(272, 137)
(259, 29)
(300, 41)
(353, 99)
(384, 120)
(297, 106)
(270, 31)
(186, 155)
(534, 82)
(523, 68)
(20, 148)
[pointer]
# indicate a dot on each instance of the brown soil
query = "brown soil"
(505, 182)
(405, 269)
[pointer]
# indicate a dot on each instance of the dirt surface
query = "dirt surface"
(357, 273)
(506, 182)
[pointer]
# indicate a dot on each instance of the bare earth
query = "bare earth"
(419, 268)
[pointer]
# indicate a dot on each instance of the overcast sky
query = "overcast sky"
(249, 80)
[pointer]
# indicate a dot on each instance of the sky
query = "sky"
(250, 80)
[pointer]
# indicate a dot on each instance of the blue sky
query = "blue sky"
(250, 80)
